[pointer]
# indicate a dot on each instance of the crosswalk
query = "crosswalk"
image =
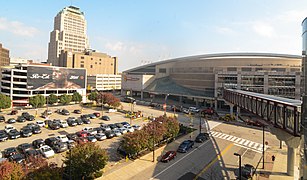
(240, 141)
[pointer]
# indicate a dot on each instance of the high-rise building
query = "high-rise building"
(69, 33)
(4, 56)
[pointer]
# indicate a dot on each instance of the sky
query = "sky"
(140, 32)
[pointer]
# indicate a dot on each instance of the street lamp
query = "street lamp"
(263, 146)
(199, 122)
(165, 104)
(236, 154)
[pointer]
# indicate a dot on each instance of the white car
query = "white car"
(123, 130)
(63, 124)
(100, 136)
(8, 128)
(112, 110)
(46, 151)
(117, 132)
(130, 129)
(137, 127)
(193, 110)
(41, 123)
(63, 138)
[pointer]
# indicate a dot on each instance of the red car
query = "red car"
(169, 155)
(81, 140)
(81, 134)
(97, 114)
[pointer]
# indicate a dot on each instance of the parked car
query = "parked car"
(109, 134)
(91, 138)
(33, 153)
(47, 112)
(11, 120)
(82, 134)
(22, 148)
(105, 127)
(60, 147)
(77, 111)
(247, 171)
(97, 114)
(202, 137)
(79, 121)
(106, 118)
(117, 132)
(65, 112)
(119, 125)
(26, 132)
(92, 116)
(47, 151)
(72, 122)
(21, 119)
(71, 144)
(30, 118)
(8, 128)
(100, 136)
(72, 136)
(113, 126)
(98, 130)
(25, 114)
(9, 152)
(13, 112)
(82, 140)
(130, 129)
(125, 124)
(169, 155)
(137, 127)
(38, 143)
(3, 136)
(63, 124)
(86, 121)
(62, 138)
(18, 158)
(41, 123)
(123, 130)
(31, 125)
(14, 134)
(86, 116)
(2, 118)
(36, 130)
(51, 141)
(54, 126)
(193, 110)
(185, 146)
(254, 123)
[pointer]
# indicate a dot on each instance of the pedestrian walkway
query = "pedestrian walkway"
(257, 147)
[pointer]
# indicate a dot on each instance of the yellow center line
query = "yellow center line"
(218, 157)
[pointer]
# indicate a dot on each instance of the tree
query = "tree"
(65, 99)
(109, 99)
(76, 97)
(52, 99)
(156, 131)
(5, 101)
(85, 160)
(134, 143)
(50, 171)
(171, 126)
(92, 96)
(11, 170)
(37, 101)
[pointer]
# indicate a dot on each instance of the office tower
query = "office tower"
(69, 33)
(4, 56)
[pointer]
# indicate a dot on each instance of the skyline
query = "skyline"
(139, 32)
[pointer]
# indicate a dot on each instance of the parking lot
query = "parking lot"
(109, 144)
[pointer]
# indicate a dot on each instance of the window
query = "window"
(95, 62)
(82, 65)
(162, 70)
(91, 66)
(82, 57)
(82, 61)
(91, 58)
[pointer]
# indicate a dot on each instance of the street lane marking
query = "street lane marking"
(218, 157)
(179, 160)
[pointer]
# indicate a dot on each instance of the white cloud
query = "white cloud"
(263, 29)
(17, 28)
(224, 30)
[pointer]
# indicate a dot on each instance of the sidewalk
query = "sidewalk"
(276, 170)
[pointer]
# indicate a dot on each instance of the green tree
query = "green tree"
(11, 170)
(76, 97)
(85, 161)
(52, 99)
(93, 96)
(5, 101)
(171, 126)
(37, 101)
(65, 99)
(49, 172)
(134, 143)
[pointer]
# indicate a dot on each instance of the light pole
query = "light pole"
(153, 142)
(199, 122)
(236, 154)
(101, 95)
(165, 104)
(263, 146)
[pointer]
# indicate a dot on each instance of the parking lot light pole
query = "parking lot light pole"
(153, 142)
(199, 122)
(236, 154)
(263, 147)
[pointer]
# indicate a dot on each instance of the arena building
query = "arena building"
(201, 79)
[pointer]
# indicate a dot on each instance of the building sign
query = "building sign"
(40, 78)
(130, 78)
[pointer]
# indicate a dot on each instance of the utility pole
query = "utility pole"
(263, 147)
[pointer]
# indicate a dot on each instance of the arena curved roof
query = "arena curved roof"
(210, 56)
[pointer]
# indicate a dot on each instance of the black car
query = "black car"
(77, 111)
(14, 134)
(126, 124)
(60, 147)
(36, 130)
(26, 132)
(18, 158)
(2, 118)
(25, 114)
(51, 141)
(3, 135)
(33, 153)
(98, 129)
(11, 120)
(185, 146)
(106, 118)
(86, 121)
(31, 125)
(72, 122)
(38, 143)
(79, 121)
(248, 171)
(65, 112)
(109, 134)
(30, 118)
(86, 116)
(72, 136)
(22, 148)
(21, 119)
(54, 126)
(9, 152)
(202, 137)
(113, 126)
